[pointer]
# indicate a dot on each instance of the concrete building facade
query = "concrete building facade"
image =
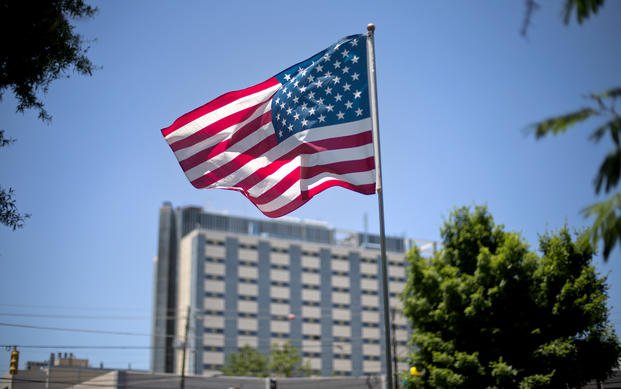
(259, 282)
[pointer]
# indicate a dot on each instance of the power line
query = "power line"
(79, 330)
(97, 317)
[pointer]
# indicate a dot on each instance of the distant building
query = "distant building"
(261, 281)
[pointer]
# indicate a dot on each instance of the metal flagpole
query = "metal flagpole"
(380, 199)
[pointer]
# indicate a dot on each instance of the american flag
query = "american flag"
(288, 138)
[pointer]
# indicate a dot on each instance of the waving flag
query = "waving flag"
(288, 138)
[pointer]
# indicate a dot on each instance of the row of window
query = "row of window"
(306, 269)
(219, 277)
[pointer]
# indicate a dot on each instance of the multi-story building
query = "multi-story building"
(259, 282)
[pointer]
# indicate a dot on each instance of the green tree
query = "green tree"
(38, 46)
(247, 362)
(286, 361)
(606, 214)
(487, 312)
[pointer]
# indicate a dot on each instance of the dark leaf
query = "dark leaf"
(609, 171)
(560, 124)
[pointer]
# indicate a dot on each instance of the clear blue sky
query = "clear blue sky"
(457, 85)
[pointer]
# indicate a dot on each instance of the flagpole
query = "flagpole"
(380, 200)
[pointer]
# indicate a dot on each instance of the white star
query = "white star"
(287, 77)
(346, 69)
(354, 42)
(296, 83)
(296, 99)
(280, 133)
(311, 95)
(337, 79)
(311, 78)
(326, 56)
(355, 59)
(311, 111)
(277, 116)
(304, 106)
(289, 110)
(290, 127)
(319, 83)
(320, 101)
(357, 94)
(327, 74)
(358, 112)
(284, 122)
(277, 100)
(300, 69)
(337, 64)
(349, 104)
(282, 105)
(338, 97)
(328, 91)
(296, 116)
(346, 87)
(288, 94)
(340, 115)
(303, 89)
(304, 123)
(304, 72)
(319, 68)
(345, 53)
(355, 76)
(321, 118)
(285, 89)
(329, 107)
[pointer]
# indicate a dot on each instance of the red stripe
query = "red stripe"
(218, 102)
(277, 190)
(298, 173)
(237, 162)
(264, 146)
(216, 127)
(308, 148)
(342, 167)
(221, 147)
(307, 195)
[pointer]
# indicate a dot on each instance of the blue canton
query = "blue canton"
(329, 88)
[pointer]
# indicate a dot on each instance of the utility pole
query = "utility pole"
(394, 347)
(185, 346)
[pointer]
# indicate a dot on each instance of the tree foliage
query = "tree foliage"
(284, 361)
(247, 362)
(582, 9)
(39, 45)
(9, 214)
(607, 213)
(487, 312)
(602, 112)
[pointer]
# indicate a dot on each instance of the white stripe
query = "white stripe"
(223, 158)
(312, 135)
(268, 182)
(309, 160)
(285, 198)
(183, 154)
(222, 112)
(358, 178)
(339, 155)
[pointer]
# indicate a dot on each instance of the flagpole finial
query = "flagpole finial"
(370, 27)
